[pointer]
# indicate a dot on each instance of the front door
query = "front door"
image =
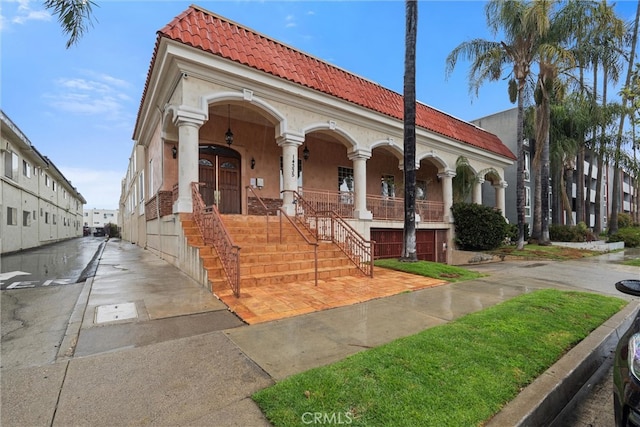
(219, 171)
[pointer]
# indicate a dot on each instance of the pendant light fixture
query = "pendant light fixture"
(228, 136)
(305, 152)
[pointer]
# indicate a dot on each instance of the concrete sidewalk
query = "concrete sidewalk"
(146, 345)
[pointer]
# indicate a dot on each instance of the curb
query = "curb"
(68, 344)
(545, 398)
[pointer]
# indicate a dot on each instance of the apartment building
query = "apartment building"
(38, 205)
(98, 218)
(503, 124)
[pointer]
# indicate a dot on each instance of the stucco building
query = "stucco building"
(38, 205)
(98, 218)
(503, 124)
(234, 122)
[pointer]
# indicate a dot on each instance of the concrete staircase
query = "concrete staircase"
(269, 261)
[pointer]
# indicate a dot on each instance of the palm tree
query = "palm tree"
(409, 252)
(522, 24)
(563, 147)
(613, 222)
(553, 60)
(606, 42)
(75, 17)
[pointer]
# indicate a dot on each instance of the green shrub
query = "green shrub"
(624, 220)
(512, 232)
(570, 233)
(478, 227)
(629, 235)
(112, 230)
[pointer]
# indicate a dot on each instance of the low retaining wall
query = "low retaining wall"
(597, 245)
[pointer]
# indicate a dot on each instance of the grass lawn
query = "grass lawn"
(458, 374)
(446, 272)
(532, 251)
(633, 262)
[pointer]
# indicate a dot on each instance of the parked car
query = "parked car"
(86, 231)
(99, 232)
(626, 367)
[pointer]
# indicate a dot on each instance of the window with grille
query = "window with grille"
(345, 179)
(388, 186)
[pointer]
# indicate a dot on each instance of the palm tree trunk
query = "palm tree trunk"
(567, 193)
(520, 166)
(597, 211)
(536, 230)
(544, 188)
(409, 252)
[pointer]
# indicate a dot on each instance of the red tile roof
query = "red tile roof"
(211, 33)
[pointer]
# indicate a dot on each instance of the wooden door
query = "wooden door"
(207, 176)
(229, 185)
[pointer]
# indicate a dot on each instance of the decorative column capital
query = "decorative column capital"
(185, 115)
(293, 139)
(501, 184)
(359, 154)
(447, 173)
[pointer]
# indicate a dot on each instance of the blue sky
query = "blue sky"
(78, 106)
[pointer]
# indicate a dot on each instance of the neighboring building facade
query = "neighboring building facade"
(98, 218)
(236, 111)
(628, 195)
(503, 124)
(38, 205)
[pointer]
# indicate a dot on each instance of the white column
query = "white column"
(289, 144)
(188, 123)
(447, 192)
(476, 197)
(359, 159)
(500, 191)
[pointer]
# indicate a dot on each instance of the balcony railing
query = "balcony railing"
(382, 208)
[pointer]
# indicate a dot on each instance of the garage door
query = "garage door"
(428, 243)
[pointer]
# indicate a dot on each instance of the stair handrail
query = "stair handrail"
(215, 234)
(250, 189)
(309, 242)
(355, 247)
(295, 226)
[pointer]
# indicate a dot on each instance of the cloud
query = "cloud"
(290, 21)
(100, 188)
(93, 94)
(25, 13)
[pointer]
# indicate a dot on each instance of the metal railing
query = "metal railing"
(295, 226)
(381, 207)
(340, 202)
(392, 208)
(215, 234)
(327, 225)
(266, 210)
